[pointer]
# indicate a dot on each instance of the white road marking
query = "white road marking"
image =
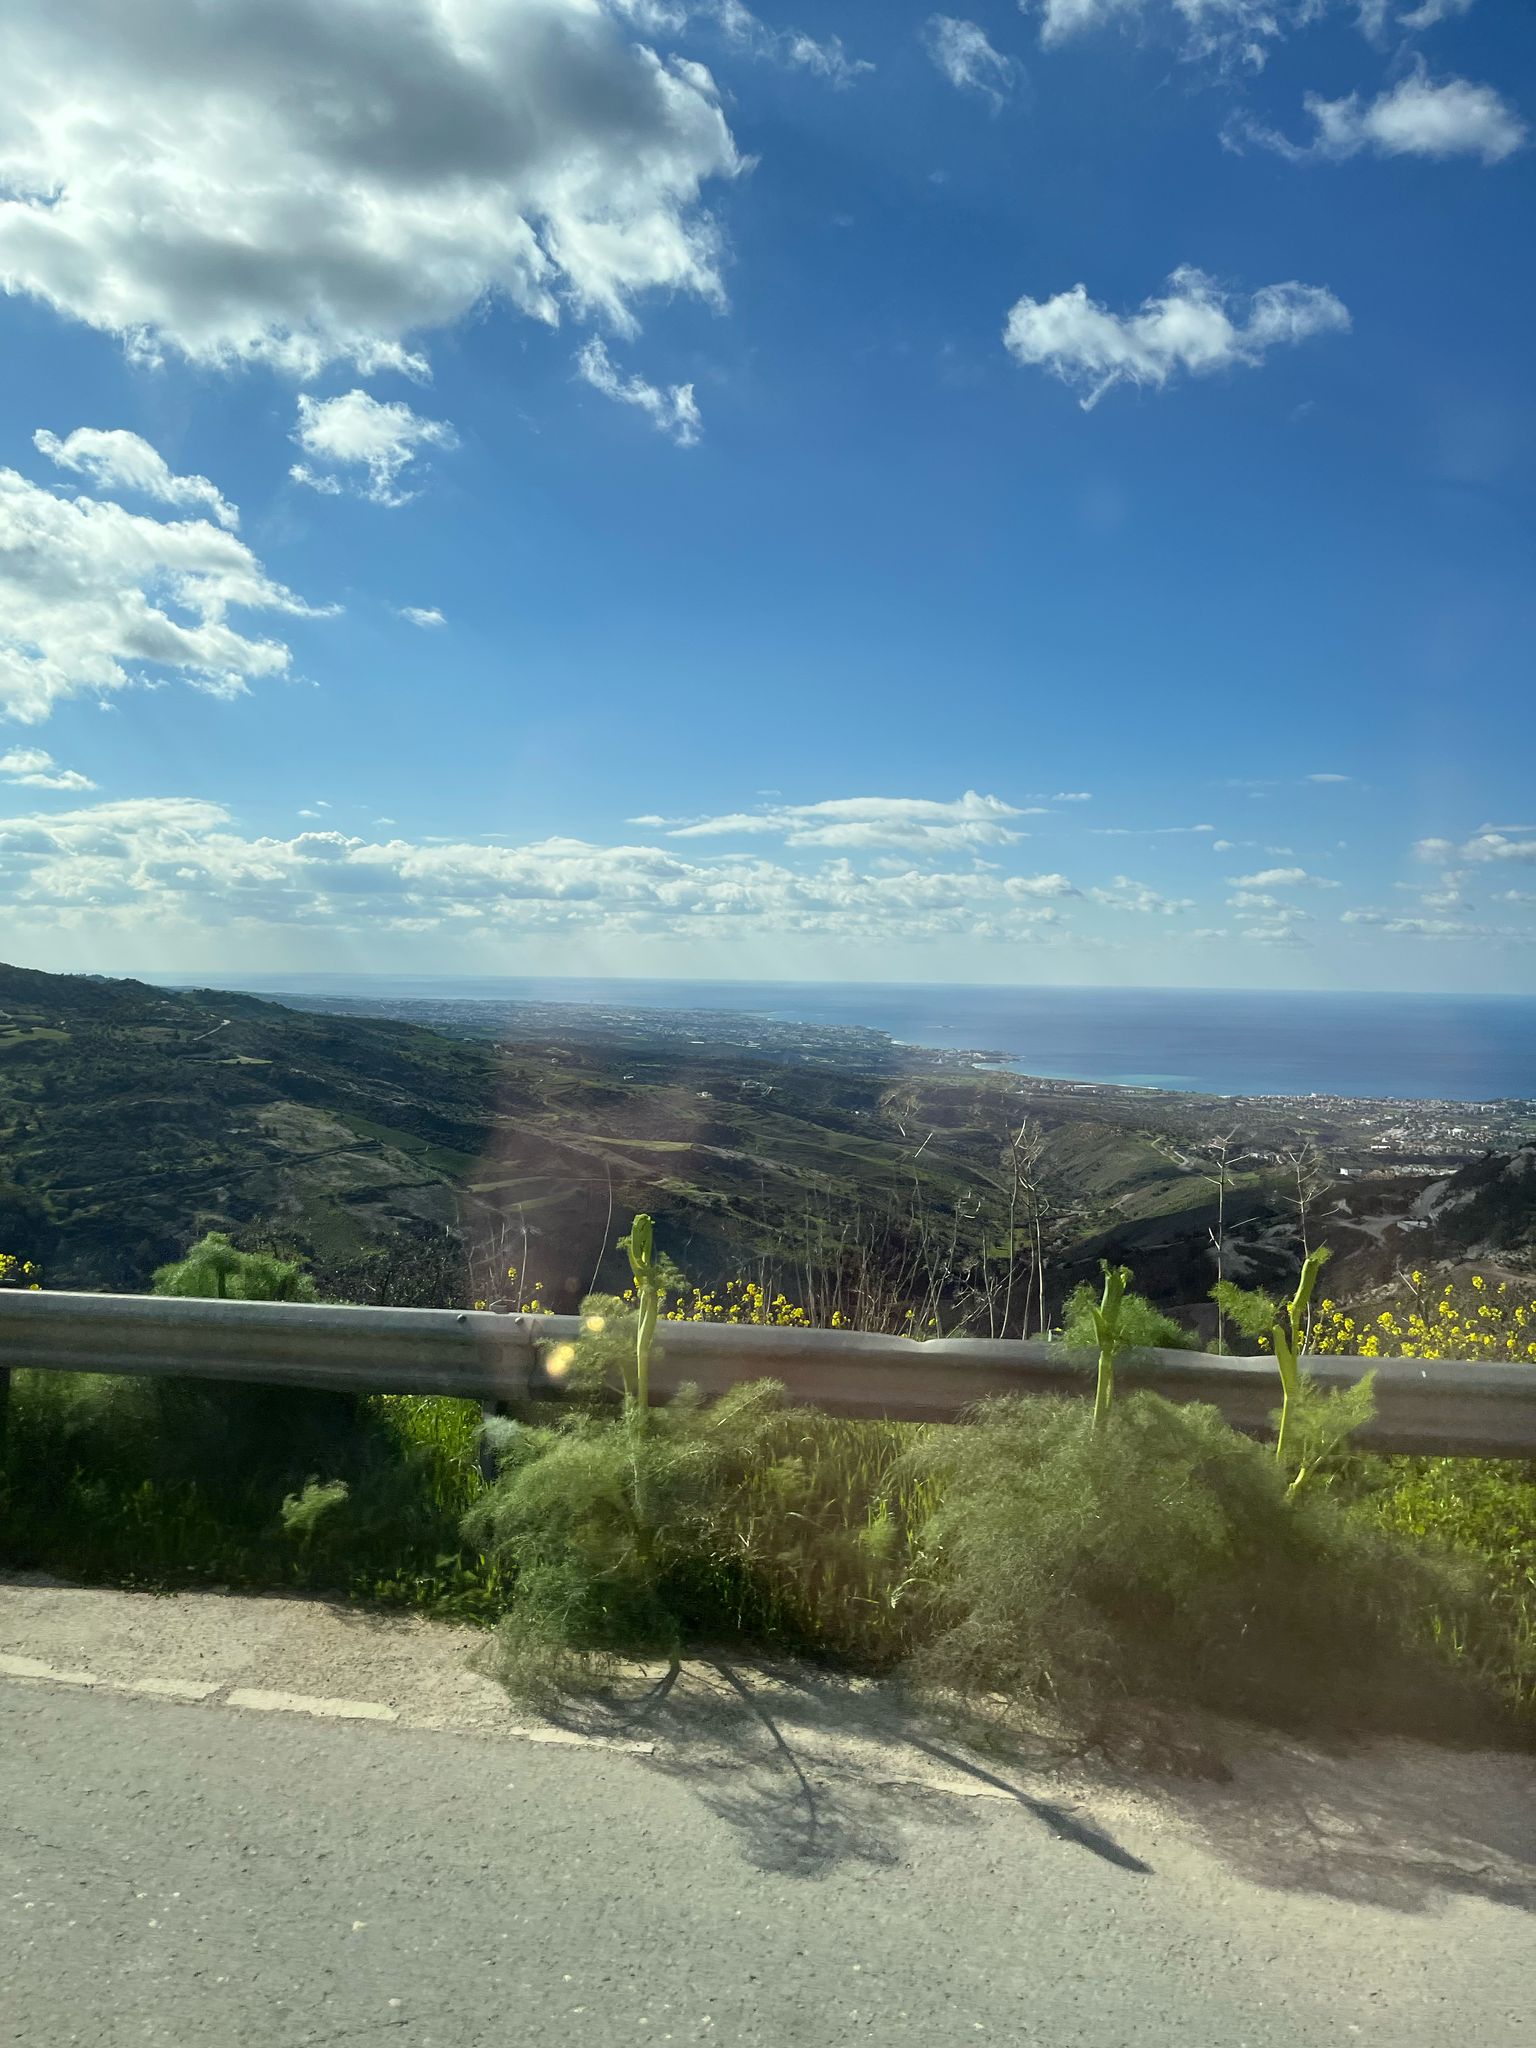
(258, 1700)
(299, 1703)
(33, 1667)
(569, 1738)
(169, 1688)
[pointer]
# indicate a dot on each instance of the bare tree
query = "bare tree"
(1311, 1178)
(1219, 1151)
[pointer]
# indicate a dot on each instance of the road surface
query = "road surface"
(212, 1830)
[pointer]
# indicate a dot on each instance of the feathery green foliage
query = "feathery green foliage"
(216, 1268)
(1095, 1576)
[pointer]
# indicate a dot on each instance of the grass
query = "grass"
(173, 1484)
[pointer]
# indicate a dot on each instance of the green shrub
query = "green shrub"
(618, 1534)
(1160, 1566)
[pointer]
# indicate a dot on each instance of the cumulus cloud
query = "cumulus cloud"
(37, 770)
(424, 615)
(314, 181)
(1282, 878)
(1196, 327)
(1415, 117)
(963, 54)
(373, 438)
(874, 821)
(672, 411)
(182, 859)
(114, 459)
(1124, 894)
(1491, 844)
(93, 596)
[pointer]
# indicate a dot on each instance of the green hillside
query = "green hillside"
(410, 1165)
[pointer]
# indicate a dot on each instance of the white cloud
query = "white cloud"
(1124, 894)
(1435, 928)
(114, 459)
(1282, 878)
(1491, 843)
(1073, 796)
(672, 411)
(1415, 117)
(316, 181)
(747, 35)
(961, 51)
(37, 770)
(1279, 931)
(869, 821)
(1146, 831)
(1429, 12)
(166, 860)
(424, 615)
(1196, 326)
(92, 596)
(1330, 778)
(1235, 31)
(1249, 900)
(357, 432)
(1515, 896)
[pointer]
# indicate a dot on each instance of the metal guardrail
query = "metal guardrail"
(1430, 1407)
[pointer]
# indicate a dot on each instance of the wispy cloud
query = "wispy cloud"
(424, 615)
(1124, 894)
(870, 821)
(962, 52)
(1196, 328)
(671, 411)
(1282, 878)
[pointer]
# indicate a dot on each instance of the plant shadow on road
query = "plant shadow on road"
(812, 1772)
(1401, 1825)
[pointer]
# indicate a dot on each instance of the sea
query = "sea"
(1207, 1041)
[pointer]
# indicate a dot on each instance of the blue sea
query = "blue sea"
(1213, 1042)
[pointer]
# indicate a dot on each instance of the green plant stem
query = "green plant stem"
(1291, 1342)
(1106, 1321)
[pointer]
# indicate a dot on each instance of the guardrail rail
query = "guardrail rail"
(1430, 1407)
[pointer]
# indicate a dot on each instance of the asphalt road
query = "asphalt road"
(177, 1873)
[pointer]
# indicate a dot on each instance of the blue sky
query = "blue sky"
(810, 579)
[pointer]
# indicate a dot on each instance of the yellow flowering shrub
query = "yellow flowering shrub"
(16, 1272)
(1483, 1320)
